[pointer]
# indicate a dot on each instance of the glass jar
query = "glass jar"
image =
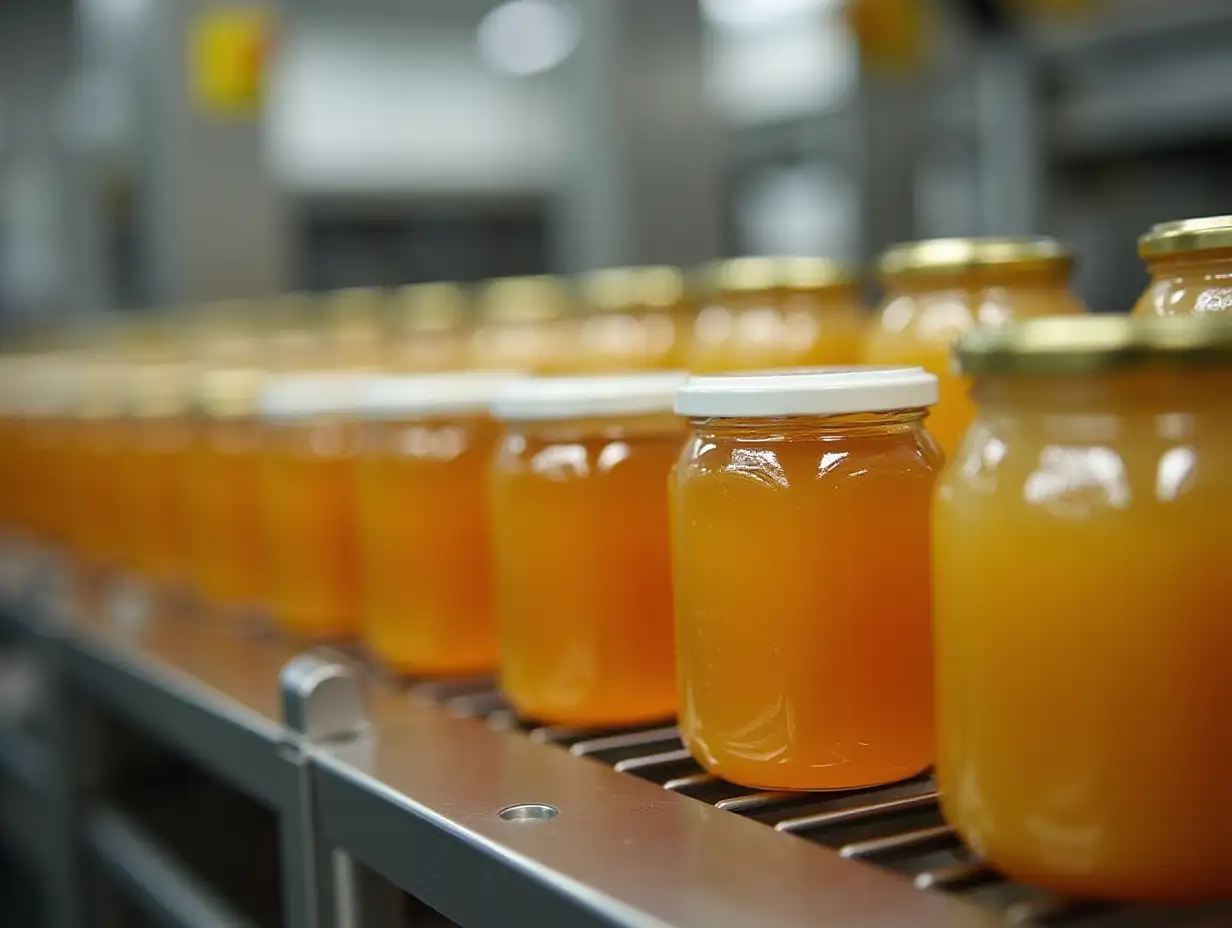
(1081, 578)
(580, 544)
(778, 312)
(97, 448)
(431, 328)
(525, 325)
(155, 462)
(635, 318)
(801, 566)
(223, 493)
(426, 453)
(1190, 263)
(310, 524)
(937, 289)
(353, 328)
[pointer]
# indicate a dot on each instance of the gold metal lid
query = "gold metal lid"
(960, 255)
(751, 274)
(1091, 344)
(624, 288)
(227, 392)
(1171, 238)
(434, 307)
(524, 299)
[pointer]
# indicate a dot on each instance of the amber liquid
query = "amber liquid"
(99, 523)
(311, 531)
(1082, 585)
(225, 524)
(801, 556)
(1184, 284)
(426, 554)
(583, 576)
(154, 469)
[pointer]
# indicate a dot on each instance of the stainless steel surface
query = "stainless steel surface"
(425, 786)
(321, 698)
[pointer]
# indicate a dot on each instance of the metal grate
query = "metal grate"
(899, 826)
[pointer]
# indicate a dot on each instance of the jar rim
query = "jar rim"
(1204, 233)
(557, 398)
(299, 395)
(957, 255)
(613, 289)
(1091, 344)
(538, 298)
(815, 391)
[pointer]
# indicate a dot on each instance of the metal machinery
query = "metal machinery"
(173, 771)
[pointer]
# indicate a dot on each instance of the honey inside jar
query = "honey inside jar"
(800, 510)
(310, 526)
(767, 313)
(635, 318)
(155, 461)
(97, 445)
(937, 289)
(223, 490)
(580, 547)
(1190, 263)
(424, 522)
(1081, 580)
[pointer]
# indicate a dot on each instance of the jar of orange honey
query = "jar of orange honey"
(634, 318)
(1082, 573)
(937, 289)
(97, 449)
(426, 451)
(580, 547)
(222, 493)
(431, 328)
(778, 312)
(1190, 263)
(310, 523)
(525, 325)
(155, 464)
(801, 567)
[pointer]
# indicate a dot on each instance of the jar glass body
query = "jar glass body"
(801, 565)
(310, 527)
(583, 573)
(778, 328)
(423, 489)
(1183, 284)
(224, 505)
(922, 316)
(1082, 576)
(155, 461)
(97, 482)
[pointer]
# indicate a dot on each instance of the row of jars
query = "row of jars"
(1066, 570)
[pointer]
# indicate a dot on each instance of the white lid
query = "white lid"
(818, 391)
(402, 396)
(599, 396)
(309, 394)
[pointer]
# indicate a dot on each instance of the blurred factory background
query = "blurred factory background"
(164, 152)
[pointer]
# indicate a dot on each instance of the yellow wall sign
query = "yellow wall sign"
(227, 53)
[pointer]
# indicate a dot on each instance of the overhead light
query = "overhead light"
(757, 14)
(524, 37)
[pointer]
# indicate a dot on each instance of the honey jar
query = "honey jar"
(800, 510)
(426, 452)
(1082, 570)
(580, 547)
(937, 289)
(1190, 263)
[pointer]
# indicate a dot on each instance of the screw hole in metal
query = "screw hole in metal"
(528, 812)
